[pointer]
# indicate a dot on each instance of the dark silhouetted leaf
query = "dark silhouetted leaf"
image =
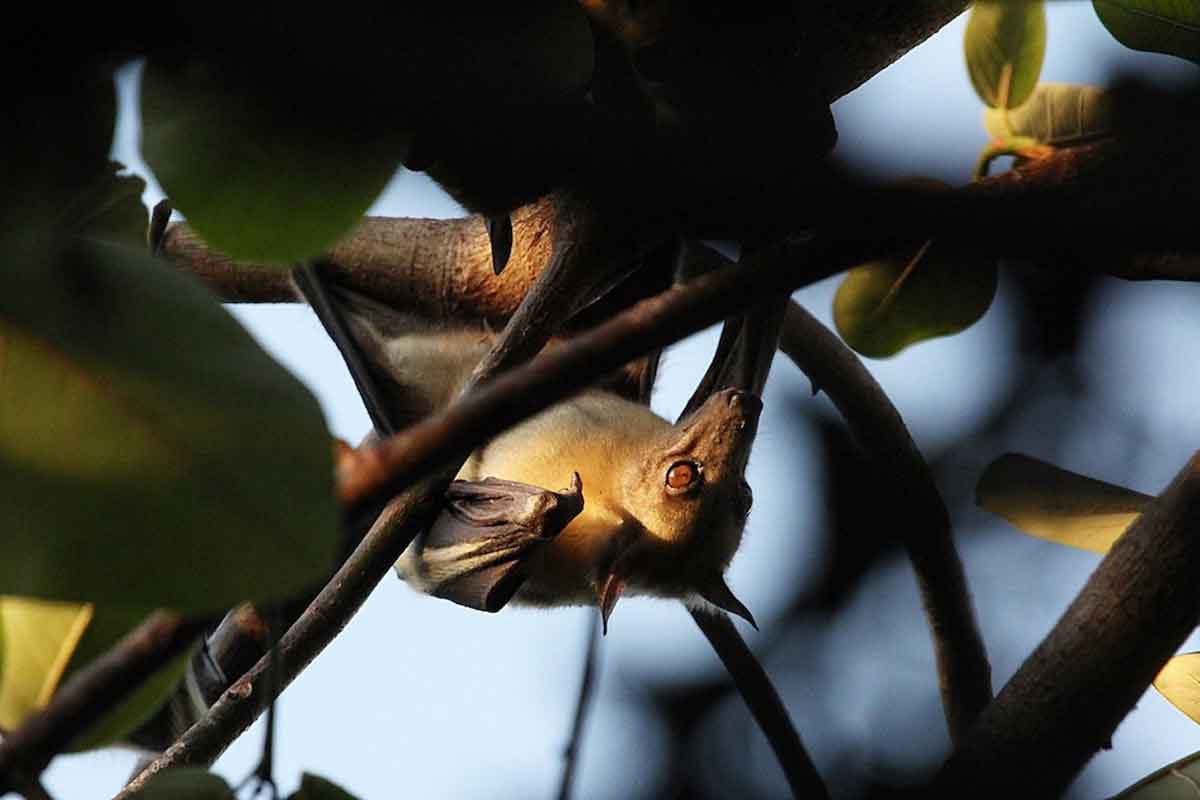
(1159, 26)
(111, 208)
(1059, 114)
(153, 455)
(922, 292)
(258, 175)
(186, 783)
(316, 788)
(1004, 44)
(1058, 505)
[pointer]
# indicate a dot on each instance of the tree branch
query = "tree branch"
(923, 522)
(855, 40)
(586, 687)
(1066, 700)
(90, 694)
(764, 703)
(1113, 207)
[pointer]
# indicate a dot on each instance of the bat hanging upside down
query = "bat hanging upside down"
(642, 507)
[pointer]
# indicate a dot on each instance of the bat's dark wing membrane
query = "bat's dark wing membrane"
(475, 554)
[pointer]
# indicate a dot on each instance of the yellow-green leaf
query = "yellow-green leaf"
(185, 783)
(1057, 505)
(1159, 26)
(40, 636)
(1179, 682)
(153, 455)
(1059, 114)
(1176, 781)
(259, 174)
(1005, 43)
(921, 292)
(313, 787)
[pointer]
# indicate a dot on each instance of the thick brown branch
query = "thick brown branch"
(1064, 702)
(438, 269)
(921, 521)
(764, 703)
(855, 40)
(90, 694)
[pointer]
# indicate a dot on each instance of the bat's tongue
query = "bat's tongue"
(610, 593)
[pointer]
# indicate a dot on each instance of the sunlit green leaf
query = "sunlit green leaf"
(186, 783)
(40, 636)
(153, 455)
(257, 174)
(313, 787)
(1179, 780)
(1057, 505)
(1159, 26)
(1004, 44)
(919, 293)
(1059, 114)
(1179, 682)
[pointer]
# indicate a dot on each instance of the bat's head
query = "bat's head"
(689, 493)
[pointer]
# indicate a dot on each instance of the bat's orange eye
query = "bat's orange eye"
(682, 476)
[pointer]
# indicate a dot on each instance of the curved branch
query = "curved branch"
(923, 521)
(764, 703)
(1066, 700)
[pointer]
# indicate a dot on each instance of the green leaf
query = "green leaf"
(1005, 43)
(259, 174)
(1159, 26)
(40, 637)
(919, 293)
(1179, 780)
(110, 209)
(1057, 505)
(153, 455)
(1059, 114)
(313, 787)
(185, 783)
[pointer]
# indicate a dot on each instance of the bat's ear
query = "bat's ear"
(717, 592)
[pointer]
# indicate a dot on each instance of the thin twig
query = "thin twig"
(764, 703)
(92, 692)
(1066, 700)
(923, 524)
(586, 688)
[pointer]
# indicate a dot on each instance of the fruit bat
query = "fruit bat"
(652, 508)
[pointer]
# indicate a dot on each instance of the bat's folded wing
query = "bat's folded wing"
(477, 550)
